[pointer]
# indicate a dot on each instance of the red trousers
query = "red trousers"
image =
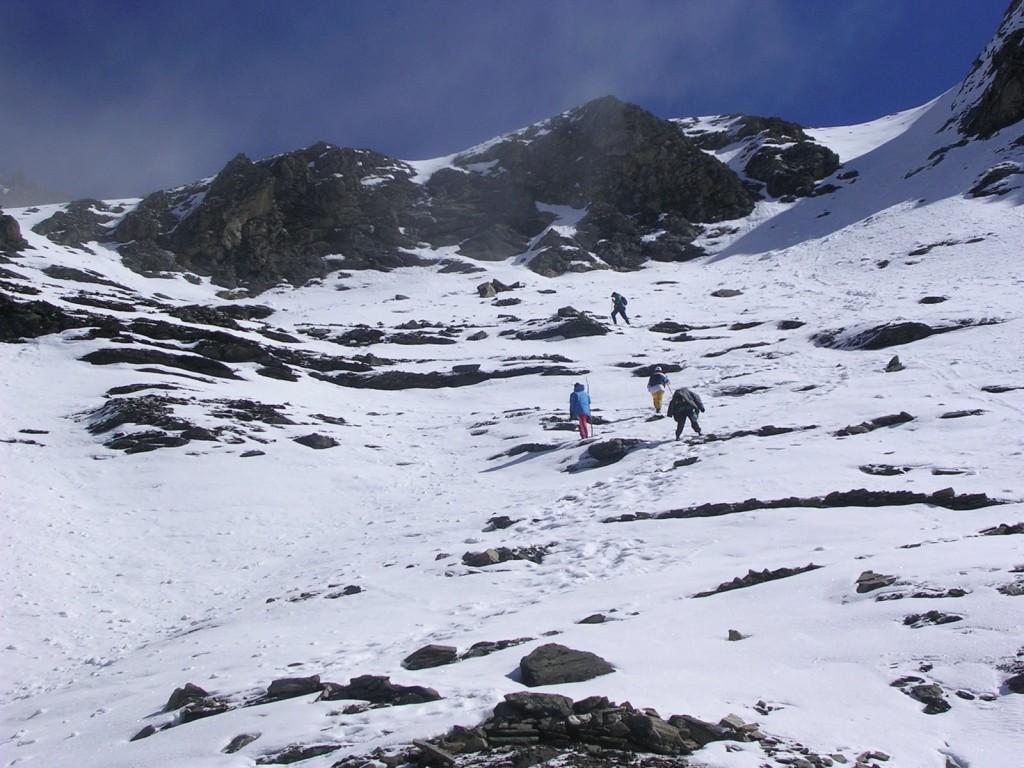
(583, 427)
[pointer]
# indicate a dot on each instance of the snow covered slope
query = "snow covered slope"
(242, 556)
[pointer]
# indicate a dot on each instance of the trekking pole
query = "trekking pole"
(593, 432)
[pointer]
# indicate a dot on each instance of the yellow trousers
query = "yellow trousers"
(656, 397)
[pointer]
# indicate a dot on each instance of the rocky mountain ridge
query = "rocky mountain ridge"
(640, 188)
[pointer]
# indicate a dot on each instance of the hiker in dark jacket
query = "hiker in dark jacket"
(685, 404)
(579, 408)
(619, 307)
(657, 385)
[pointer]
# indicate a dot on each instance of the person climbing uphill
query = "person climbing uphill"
(656, 385)
(619, 307)
(684, 405)
(579, 408)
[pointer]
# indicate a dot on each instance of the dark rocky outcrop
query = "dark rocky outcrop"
(493, 556)
(793, 170)
(397, 380)
(11, 240)
(894, 365)
(634, 172)
(869, 581)
(999, 180)
(883, 470)
(296, 753)
(603, 453)
(780, 157)
(147, 356)
(487, 647)
(643, 183)
(184, 695)
(767, 430)
(757, 577)
(430, 656)
(1015, 684)
(240, 741)
(861, 497)
(276, 220)
(879, 422)
(930, 618)
(147, 410)
(317, 441)
(378, 689)
(552, 664)
(200, 709)
(931, 696)
(1004, 530)
(529, 728)
(1001, 104)
(888, 335)
(63, 272)
(80, 222)
(31, 319)
(569, 323)
(290, 687)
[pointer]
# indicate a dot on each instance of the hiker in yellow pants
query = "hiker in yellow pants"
(657, 385)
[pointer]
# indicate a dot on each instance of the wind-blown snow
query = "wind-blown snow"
(126, 576)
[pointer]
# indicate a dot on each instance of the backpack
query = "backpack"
(623, 300)
(674, 403)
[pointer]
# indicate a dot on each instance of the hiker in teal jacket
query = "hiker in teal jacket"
(619, 307)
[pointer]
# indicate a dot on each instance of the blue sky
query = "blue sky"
(114, 98)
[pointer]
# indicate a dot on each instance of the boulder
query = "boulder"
(11, 240)
(184, 695)
(572, 328)
(317, 441)
(553, 664)
(431, 656)
(240, 741)
(869, 581)
(290, 687)
(931, 696)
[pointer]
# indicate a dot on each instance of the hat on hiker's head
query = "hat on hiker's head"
(657, 369)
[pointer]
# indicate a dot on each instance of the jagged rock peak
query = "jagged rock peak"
(992, 96)
(610, 152)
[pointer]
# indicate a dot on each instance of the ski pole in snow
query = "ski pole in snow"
(593, 433)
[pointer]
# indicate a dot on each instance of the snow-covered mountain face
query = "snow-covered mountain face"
(279, 499)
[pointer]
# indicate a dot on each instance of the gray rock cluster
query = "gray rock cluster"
(548, 729)
(864, 427)
(860, 497)
(495, 555)
(533, 719)
(757, 577)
